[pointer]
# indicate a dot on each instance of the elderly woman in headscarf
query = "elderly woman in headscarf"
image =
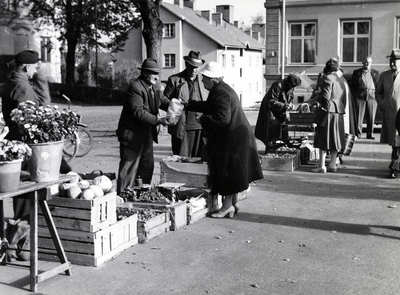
(273, 109)
(331, 136)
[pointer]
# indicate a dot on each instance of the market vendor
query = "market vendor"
(232, 152)
(272, 112)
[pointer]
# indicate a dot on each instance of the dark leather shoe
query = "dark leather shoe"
(369, 136)
(393, 174)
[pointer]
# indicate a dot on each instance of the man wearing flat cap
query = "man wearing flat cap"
(272, 112)
(186, 135)
(137, 126)
(388, 98)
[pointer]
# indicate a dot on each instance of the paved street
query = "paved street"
(297, 233)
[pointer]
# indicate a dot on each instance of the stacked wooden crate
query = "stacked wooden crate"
(88, 229)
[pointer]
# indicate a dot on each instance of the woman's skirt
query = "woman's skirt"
(332, 136)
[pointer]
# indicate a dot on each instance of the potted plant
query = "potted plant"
(44, 130)
(12, 153)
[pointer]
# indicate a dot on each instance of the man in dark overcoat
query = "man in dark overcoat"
(137, 127)
(233, 157)
(272, 112)
(186, 135)
(363, 83)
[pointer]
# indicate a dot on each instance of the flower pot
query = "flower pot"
(44, 164)
(9, 176)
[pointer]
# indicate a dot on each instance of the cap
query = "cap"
(27, 57)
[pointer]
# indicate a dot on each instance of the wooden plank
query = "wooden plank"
(145, 236)
(160, 219)
(78, 224)
(68, 234)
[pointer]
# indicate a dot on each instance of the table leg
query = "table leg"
(34, 241)
(2, 235)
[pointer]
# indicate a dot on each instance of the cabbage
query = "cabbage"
(103, 182)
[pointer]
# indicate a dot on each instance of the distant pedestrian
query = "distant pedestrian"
(272, 112)
(186, 136)
(388, 98)
(363, 84)
(137, 127)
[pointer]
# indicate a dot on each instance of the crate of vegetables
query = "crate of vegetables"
(151, 222)
(279, 162)
(290, 150)
(83, 205)
(162, 197)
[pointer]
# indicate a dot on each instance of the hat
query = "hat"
(150, 64)
(27, 57)
(212, 70)
(395, 54)
(294, 80)
(194, 58)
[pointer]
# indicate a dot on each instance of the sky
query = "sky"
(243, 9)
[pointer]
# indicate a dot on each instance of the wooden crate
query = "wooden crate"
(154, 227)
(295, 152)
(200, 203)
(83, 215)
(194, 175)
(90, 249)
(279, 163)
(176, 210)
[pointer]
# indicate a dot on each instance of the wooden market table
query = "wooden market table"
(39, 193)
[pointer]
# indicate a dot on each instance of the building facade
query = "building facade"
(302, 35)
(215, 36)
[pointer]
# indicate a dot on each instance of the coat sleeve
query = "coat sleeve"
(218, 113)
(137, 102)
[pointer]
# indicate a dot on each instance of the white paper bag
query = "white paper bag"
(174, 112)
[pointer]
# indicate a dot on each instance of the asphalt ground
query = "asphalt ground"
(297, 233)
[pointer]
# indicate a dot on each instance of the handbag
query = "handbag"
(320, 116)
(350, 139)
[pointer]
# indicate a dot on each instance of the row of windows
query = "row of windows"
(355, 41)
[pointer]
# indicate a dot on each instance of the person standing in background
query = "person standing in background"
(388, 98)
(363, 83)
(186, 135)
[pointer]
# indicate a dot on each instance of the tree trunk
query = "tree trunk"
(70, 62)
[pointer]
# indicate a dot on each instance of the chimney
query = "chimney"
(207, 15)
(217, 18)
(227, 11)
(256, 35)
(190, 4)
(179, 3)
(236, 23)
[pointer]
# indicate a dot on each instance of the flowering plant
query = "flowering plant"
(43, 124)
(11, 150)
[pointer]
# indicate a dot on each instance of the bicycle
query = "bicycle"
(80, 142)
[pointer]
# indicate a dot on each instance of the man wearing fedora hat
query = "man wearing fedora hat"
(388, 98)
(186, 135)
(231, 147)
(137, 126)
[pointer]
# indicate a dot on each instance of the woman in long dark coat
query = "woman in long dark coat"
(232, 152)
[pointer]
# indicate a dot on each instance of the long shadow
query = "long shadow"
(347, 228)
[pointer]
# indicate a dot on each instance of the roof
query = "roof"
(225, 35)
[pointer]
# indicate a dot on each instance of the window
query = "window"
(169, 30)
(356, 36)
(169, 60)
(45, 49)
(223, 60)
(302, 42)
(398, 32)
(233, 61)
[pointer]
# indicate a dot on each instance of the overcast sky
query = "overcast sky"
(243, 9)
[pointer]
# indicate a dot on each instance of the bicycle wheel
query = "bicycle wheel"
(70, 147)
(86, 141)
